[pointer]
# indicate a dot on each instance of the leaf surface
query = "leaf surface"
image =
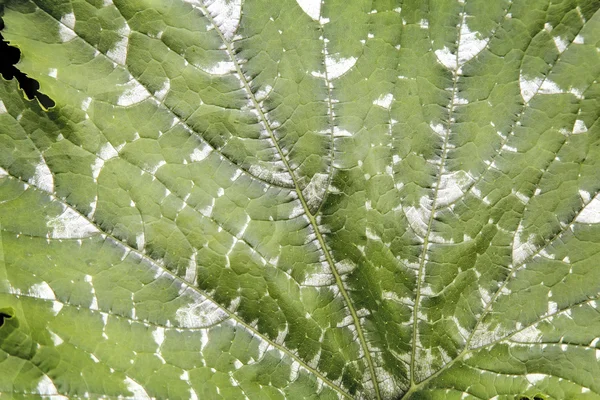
(301, 199)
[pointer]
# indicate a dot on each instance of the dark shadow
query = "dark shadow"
(4, 316)
(9, 56)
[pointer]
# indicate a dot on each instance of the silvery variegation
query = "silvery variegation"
(370, 199)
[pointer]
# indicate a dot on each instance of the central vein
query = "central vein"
(421, 272)
(310, 216)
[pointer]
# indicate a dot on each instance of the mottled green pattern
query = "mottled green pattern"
(262, 199)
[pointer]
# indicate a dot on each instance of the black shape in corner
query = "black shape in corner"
(4, 314)
(9, 56)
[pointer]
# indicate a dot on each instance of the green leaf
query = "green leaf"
(301, 199)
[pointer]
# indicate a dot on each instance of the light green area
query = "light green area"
(368, 199)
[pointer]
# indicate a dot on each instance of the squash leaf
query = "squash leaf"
(370, 199)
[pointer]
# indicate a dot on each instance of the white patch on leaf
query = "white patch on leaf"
(226, 15)
(106, 152)
(452, 186)
(579, 127)
(46, 387)
(85, 104)
(221, 68)
(162, 92)
(528, 335)
(418, 217)
(438, 128)
(190, 271)
(134, 93)
(312, 8)
(315, 190)
(549, 87)
(591, 213)
(42, 177)
(66, 26)
(3, 109)
(338, 132)
(140, 241)
(70, 225)
(282, 178)
(446, 58)
(56, 340)
(535, 378)
(136, 389)
(529, 87)
(337, 66)
(118, 53)
(42, 291)
(159, 335)
(522, 250)
(560, 43)
(199, 315)
(470, 43)
(384, 101)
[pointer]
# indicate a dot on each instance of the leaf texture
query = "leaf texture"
(368, 199)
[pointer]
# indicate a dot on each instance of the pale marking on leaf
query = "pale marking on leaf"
(312, 8)
(262, 94)
(338, 66)
(560, 43)
(549, 87)
(200, 315)
(85, 104)
(42, 291)
(70, 225)
(56, 307)
(56, 340)
(522, 250)
(279, 178)
(162, 92)
(106, 152)
(535, 378)
(134, 93)
(66, 26)
(136, 389)
(384, 101)
(316, 189)
(452, 186)
(42, 177)
(3, 109)
(45, 386)
(529, 87)
(200, 154)
(118, 53)
(579, 40)
(94, 304)
(190, 271)
(418, 216)
(528, 335)
(220, 68)
(226, 14)
(590, 213)
(159, 336)
(140, 240)
(579, 127)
